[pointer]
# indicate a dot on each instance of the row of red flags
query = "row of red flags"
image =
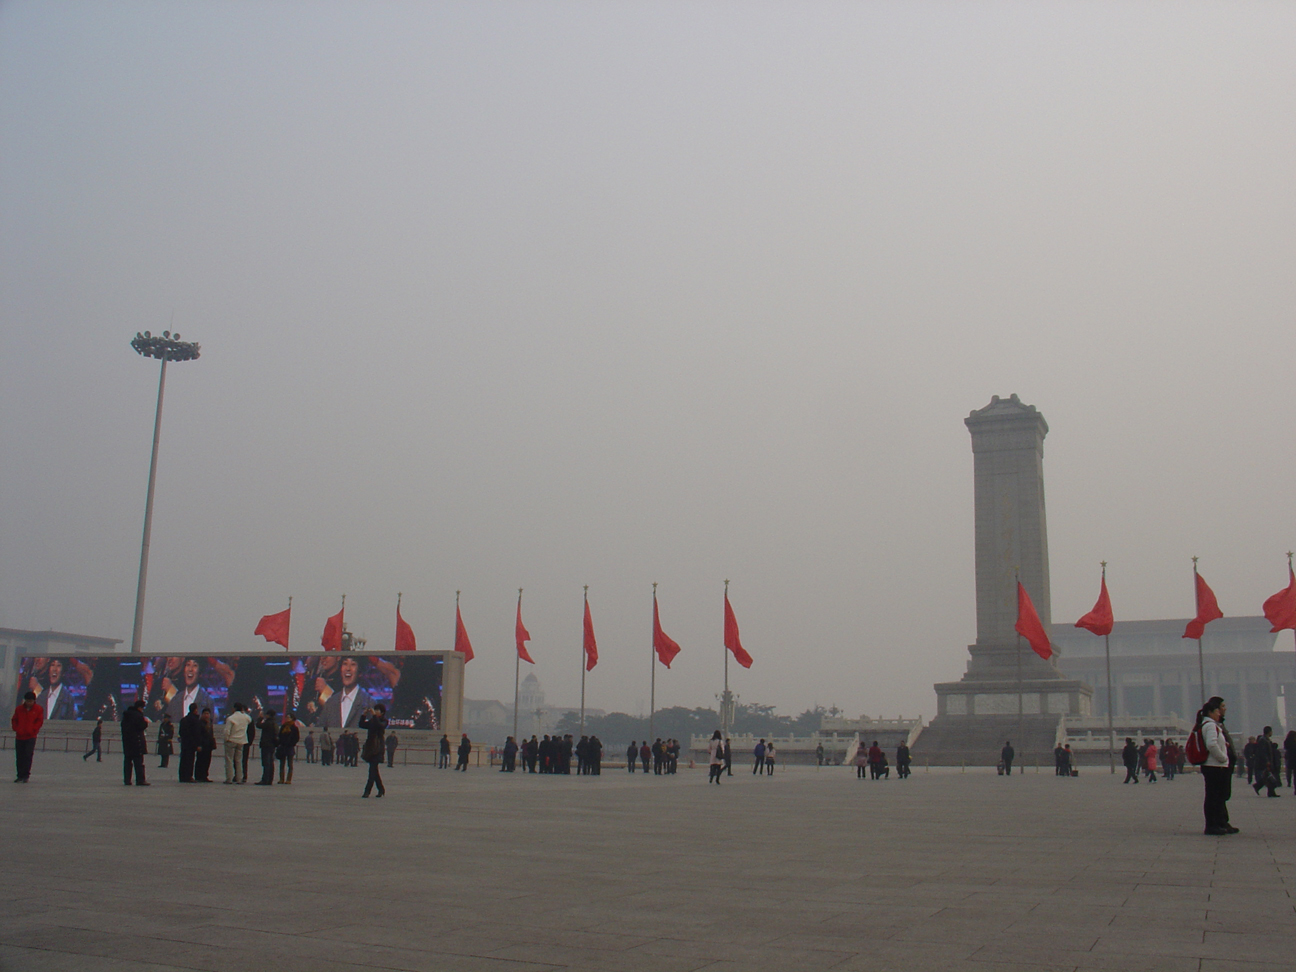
(275, 628)
(1279, 610)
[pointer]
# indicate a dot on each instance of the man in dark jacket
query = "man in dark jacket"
(190, 737)
(392, 742)
(133, 726)
(465, 750)
(1129, 756)
(96, 738)
(1007, 754)
(166, 733)
(1264, 759)
(444, 761)
(268, 734)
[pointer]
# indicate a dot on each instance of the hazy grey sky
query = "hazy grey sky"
(544, 295)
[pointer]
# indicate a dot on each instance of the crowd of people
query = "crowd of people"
(554, 755)
(1210, 747)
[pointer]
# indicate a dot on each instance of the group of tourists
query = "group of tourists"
(1144, 760)
(872, 759)
(662, 754)
(553, 755)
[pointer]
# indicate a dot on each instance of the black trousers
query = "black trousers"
(187, 763)
(374, 778)
(267, 765)
(1131, 773)
(96, 752)
(24, 749)
(1007, 767)
(1219, 787)
(444, 761)
(133, 760)
(166, 757)
(202, 764)
(247, 749)
(463, 762)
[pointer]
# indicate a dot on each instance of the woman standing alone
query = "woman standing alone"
(1218, 768)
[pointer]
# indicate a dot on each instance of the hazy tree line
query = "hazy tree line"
(618, 728)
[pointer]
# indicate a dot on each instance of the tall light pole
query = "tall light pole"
(166, 348)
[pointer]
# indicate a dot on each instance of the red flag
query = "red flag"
(1280, 610)
(1207, 609)
(522, 635)
(1029, 625)
(404, 633)
(731, 639)
(274, 627)
(332, 639)
(666, 649)
(462, 644)
(591, 646)
(1100, 619)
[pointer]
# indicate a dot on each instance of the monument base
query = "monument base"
(977, 714)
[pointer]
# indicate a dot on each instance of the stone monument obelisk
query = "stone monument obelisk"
(1008, 690)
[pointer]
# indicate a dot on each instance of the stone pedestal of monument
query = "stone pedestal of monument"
(1008, 691)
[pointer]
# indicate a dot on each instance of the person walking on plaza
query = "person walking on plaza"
(861, 762)
(392, 742)
(268, 735)
(1248, 757)
(190, 731)
(308, 744)
(510, 755)
(1218, 769)
(326, 748)
(632, 754)
(1169, 759)
(1289, 753)
(166, 740)
(374, 722)
(26, 724)
(1129, 756)
(206, 747)
(134, 743)
(443, 760)
(715, 758)
(1150, 760)
(645, 754)
(236, 728)
(903, 760)
(759, 752)
(465, 750)
(728, 756)
(96, 737)
(286, 747)
(1006, 756)
(1266, 761)
(596, 756)
(875, 759)
(819, 755)
(769, 757)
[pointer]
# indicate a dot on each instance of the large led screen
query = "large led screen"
(331, 689)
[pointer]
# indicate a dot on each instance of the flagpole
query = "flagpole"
(1111, 729)
(1201, 665)
(652, 691)
(1021, 739)
(517, 672)
(583, 662)
(398, 600)
(288, 638)
(724, 699)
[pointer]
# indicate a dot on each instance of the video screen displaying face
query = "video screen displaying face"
(330, 690)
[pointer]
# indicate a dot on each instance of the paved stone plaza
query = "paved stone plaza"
(809, 870)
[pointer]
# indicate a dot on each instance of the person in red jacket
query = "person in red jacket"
(26, 723)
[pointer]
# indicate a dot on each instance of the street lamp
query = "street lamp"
(166, 348)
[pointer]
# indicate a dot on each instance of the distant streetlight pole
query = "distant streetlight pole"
(166, 348)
